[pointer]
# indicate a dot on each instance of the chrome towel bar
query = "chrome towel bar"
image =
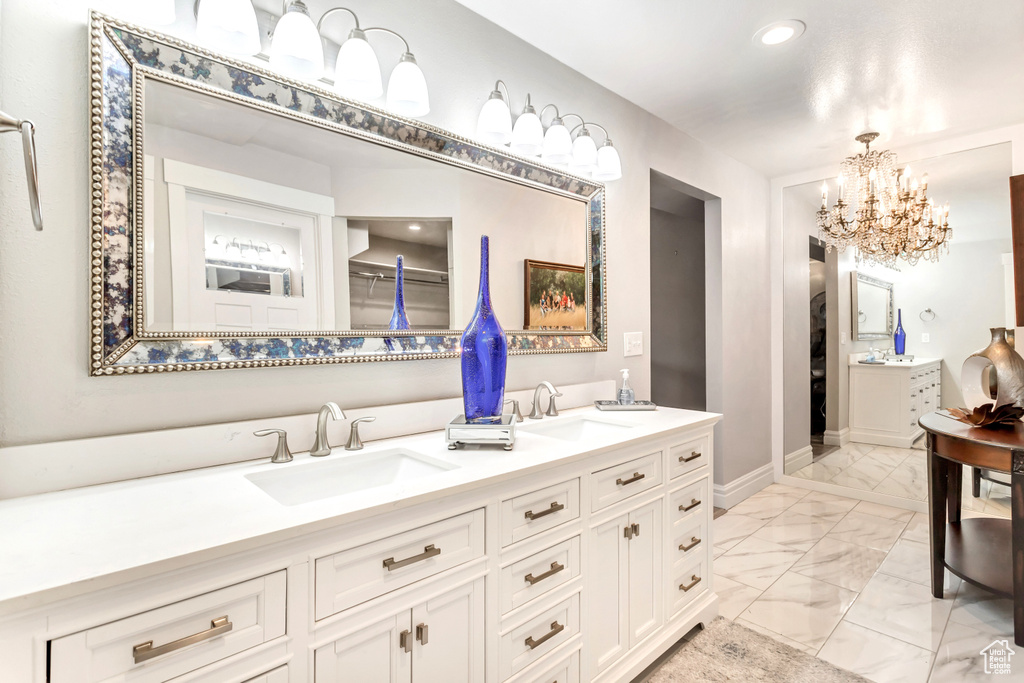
(10, 124)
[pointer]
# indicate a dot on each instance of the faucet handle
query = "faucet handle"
(552, 409)
(354, 442)
(515, 409)
(281, 454)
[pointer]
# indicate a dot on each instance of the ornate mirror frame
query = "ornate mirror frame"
(855, 279)
(123, 58)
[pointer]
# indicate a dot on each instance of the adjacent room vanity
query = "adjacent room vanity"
(582, 555)
(887, 399)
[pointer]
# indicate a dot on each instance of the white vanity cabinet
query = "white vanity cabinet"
(580, 569)
(887, 400)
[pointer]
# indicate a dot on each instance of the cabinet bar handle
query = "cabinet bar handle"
(555, 507)
(556, 628)
(636, 477)
(428, 552)
(422, 633)
(145, 651)
(403, 641)
(555, 568)
(693, 456)
(688, 586)
(686, 508)
(694, 544)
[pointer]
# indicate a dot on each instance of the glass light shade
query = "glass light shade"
(494, 125)
(407, 89)
(609, 166)
(228, 26)
(584, 154)
(296, 49)
(357, 71)
(528, 134)
(557, 145)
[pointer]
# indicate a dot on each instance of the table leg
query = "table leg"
(954, 491)
(1017, 520)
(937, 482)
(976, 482)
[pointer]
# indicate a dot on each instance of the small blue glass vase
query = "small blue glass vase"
(399, 320)
(484, 354)
(899, 340)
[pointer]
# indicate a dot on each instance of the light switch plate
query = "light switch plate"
(842, 337)
(633, 344)
(925, 337)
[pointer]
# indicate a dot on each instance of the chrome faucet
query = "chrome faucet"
(320, 445)
(535, 413)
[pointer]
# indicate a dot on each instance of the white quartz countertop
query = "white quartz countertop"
(916, 363)
(66, 543)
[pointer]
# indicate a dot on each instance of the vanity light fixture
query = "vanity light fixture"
(609, 165)
(780, 32)
(494, 125)
(584, 151)
(528, 132)
(557, 148)
(296, 49)
(228, 26)
(603, 164)
(217, 247)
(233, 250)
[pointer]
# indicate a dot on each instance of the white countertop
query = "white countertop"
(916, 363)
(61, 544)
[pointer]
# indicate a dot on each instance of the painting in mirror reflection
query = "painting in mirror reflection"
(258, 222)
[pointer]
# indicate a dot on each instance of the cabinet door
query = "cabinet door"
(449, 637)
(371, 655)
(608, 622)
(645, 582)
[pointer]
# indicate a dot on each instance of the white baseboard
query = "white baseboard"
(738, 490)
(856, 494)
(885, 439)
(800, 459)
(834, 438)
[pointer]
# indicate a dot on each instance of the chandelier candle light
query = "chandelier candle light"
(893, 219)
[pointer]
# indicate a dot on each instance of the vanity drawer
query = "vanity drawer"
(539, 574)
(688, 583)
(567, 670)
(690, 540)
(609, 486)
(171, 640)
(688, 502)
(278, 675)
(531, 640)
(354, 576)
(531, 513)
(688, 456)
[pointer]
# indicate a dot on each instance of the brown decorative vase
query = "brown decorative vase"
(1008, 367)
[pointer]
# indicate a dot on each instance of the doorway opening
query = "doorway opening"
(818, 346)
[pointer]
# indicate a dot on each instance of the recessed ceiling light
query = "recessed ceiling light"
(414, 227)
(780, 32)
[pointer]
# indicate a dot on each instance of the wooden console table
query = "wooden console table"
(986, 552)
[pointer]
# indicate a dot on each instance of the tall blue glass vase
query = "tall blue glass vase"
(399, 320)
(484, 354)
(899, 340)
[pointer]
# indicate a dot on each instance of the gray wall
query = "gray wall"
(678, 348)
(44, 277)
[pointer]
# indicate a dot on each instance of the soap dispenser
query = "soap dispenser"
(626, 395)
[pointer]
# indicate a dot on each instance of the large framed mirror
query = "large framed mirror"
(244, 220)
(872, 307)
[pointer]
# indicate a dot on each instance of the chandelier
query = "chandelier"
(892, 217)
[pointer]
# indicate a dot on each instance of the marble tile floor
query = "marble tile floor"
(900, 472)
(848, 581)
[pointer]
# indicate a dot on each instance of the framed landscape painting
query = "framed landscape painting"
(555, 296)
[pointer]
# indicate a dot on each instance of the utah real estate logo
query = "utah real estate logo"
(997, 657)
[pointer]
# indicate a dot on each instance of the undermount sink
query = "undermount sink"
(340, 474)
(577, 428)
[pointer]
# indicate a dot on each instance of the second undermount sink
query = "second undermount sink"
(339, 474)
(576, 428)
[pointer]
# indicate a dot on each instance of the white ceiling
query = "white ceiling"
(913, 71)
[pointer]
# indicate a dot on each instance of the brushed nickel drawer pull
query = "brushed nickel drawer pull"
(555, 568)
(428, 552)
(636, 477)
(403, 641)
(686, 508)
(694, 544)
(422, 633)
(694, 582)
(693, 456)
(555, 507)
(556, 628)
(145, 651)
